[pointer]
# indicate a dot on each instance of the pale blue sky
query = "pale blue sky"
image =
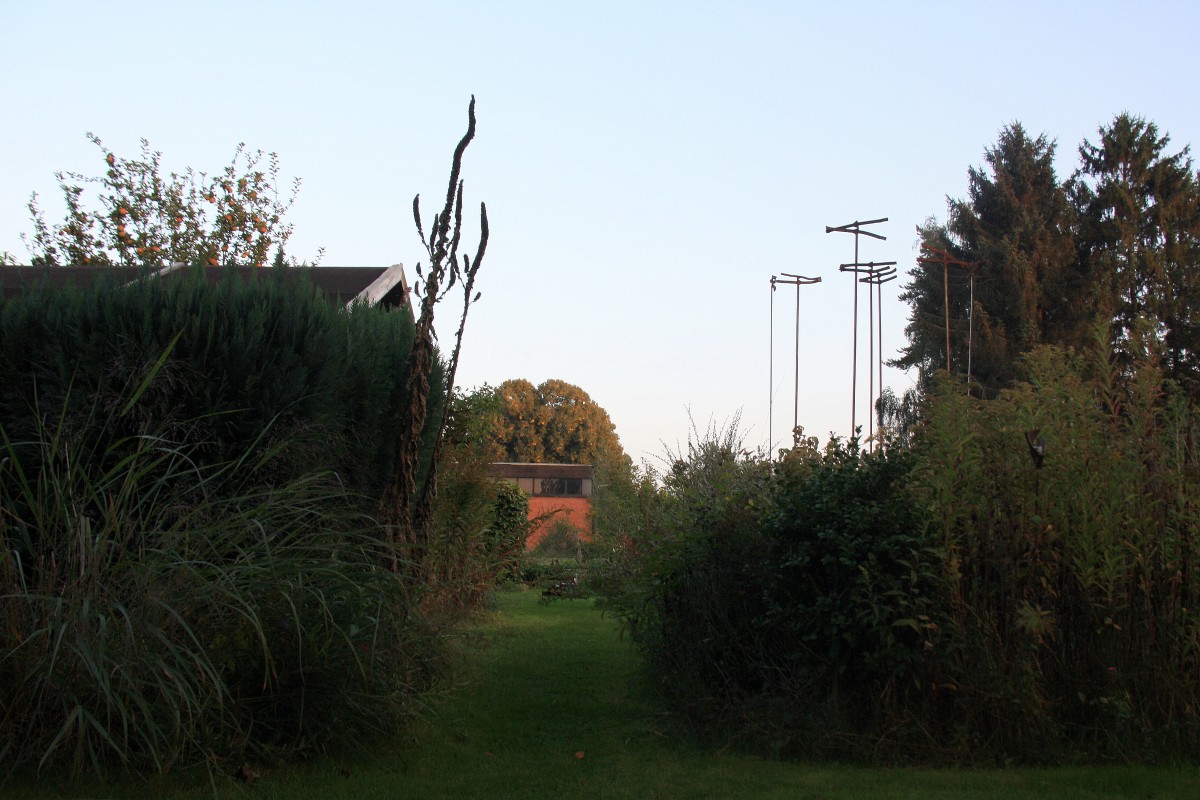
(647, 165)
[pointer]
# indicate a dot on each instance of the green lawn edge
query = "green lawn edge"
(550, 702)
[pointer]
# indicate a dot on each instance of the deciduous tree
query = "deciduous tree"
(557, 422)
(139, 217)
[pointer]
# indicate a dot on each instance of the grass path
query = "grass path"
(556, 706)
(553, 706)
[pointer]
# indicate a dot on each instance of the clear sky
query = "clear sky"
(647, 166)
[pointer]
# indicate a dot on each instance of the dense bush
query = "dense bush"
(188, 569)
(244, 357)
(1019, 585)
(509, 529)
(477, 538)
(479, 525)
(159, 611)
(779, 602)
(686, 571)
(852, 590)
(1071, 621)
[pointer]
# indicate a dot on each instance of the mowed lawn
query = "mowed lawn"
(552, 704)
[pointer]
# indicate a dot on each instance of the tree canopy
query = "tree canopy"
(555, 422)
(141, 217)
(1139, 237)
(1116, 245)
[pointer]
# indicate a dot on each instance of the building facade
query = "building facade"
(557, 493)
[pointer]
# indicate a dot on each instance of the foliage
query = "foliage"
(851, 596)
(775, 600)
(686, 574)
(187, 570)
(1016, 227)
(560, 541)
(557, 422)
(478, 525)
(141, 218)
(248, 357)
(162, 611)
(477, 540)
(472, 422)
(1139, 241)
(1017, 585)
(1071, 588)
(1117, 244)
(509, 529)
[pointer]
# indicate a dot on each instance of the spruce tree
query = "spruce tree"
(1139, 242)
(1016, 224)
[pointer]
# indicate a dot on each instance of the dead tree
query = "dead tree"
(403, 510)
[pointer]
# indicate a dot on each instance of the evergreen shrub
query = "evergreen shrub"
(188, 566)
(246, 356)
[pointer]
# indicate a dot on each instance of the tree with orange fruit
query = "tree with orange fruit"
(141, 218)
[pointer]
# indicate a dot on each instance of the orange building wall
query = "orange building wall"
(576, 510)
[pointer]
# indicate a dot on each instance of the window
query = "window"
(560, 487)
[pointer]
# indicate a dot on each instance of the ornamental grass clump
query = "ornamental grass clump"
(158, 612)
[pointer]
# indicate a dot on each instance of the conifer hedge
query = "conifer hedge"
(264, 362)
(190, 572)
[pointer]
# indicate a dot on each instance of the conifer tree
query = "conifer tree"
(1139, 241)
(1015, 224)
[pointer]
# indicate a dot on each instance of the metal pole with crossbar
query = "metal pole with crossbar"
(939, 256)
(878, 275)
(856, 229)
(797, 281)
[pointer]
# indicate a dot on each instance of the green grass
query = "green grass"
(545, 682)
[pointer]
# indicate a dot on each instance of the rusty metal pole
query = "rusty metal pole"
(879, 289)
(771, 378)
(871, 366)
(873, 273)
(947, 261)
(877, 276)
(946, 291)
(797, 281)
(970, 328)
(856, 229)
(868, 268)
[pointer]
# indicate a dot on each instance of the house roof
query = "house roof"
(513, 470)
(343, 285)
